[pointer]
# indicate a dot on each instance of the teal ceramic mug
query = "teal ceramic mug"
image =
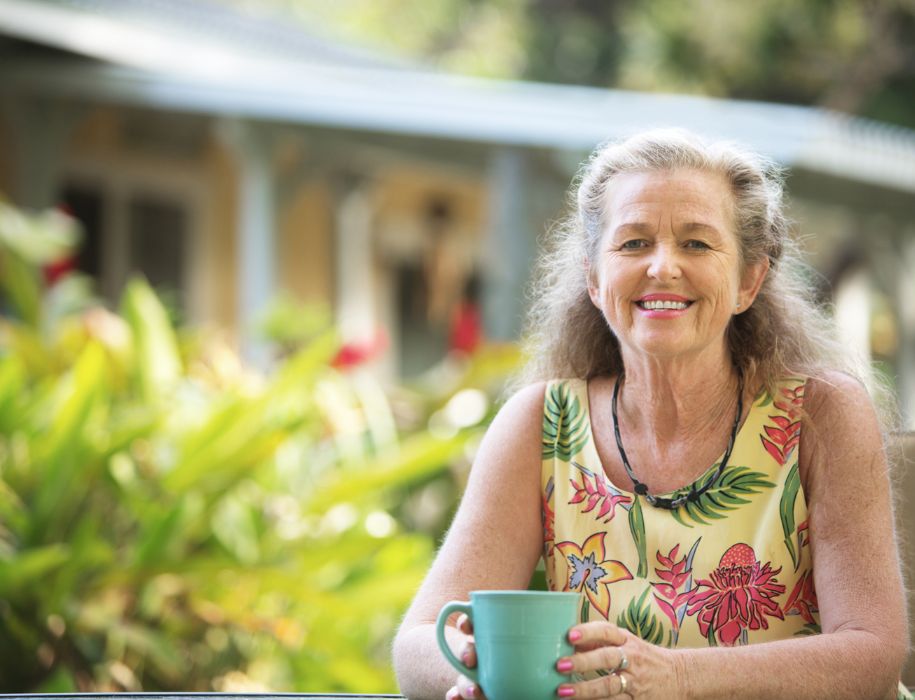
(519, 637)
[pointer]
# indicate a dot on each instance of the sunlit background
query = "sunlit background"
(264, 266)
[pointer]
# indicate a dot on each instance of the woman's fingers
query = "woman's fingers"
(599, 647)
(610, 658)
(613, 685)
(468, 690)
(468, 654)
(465, 688)
(591, 635)
(464, 624)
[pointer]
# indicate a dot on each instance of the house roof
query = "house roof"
(202, 57)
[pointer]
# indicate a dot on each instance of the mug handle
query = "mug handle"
(449, 608)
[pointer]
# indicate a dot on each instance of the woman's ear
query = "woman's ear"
(593, 290)
(753, 277)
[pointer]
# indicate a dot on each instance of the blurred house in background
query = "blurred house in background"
(230, 157)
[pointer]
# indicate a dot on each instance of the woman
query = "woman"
(685, 340)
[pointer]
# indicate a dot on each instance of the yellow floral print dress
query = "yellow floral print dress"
(732, 567)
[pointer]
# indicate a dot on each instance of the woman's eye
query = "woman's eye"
(634, 244)
(697, 245)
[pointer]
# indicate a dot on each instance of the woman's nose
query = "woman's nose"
(664, 263)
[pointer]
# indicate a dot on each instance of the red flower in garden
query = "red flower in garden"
(738, 596)
(58, 269)
(784, 436)
(358, 353)
(803, 599)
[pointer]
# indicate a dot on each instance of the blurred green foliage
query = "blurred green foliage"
(853, 55)
(170, 520)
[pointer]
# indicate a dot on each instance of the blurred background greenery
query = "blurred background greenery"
(170, 519)
(857, 56)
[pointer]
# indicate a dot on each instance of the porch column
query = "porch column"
(509, 245)
(353, 273)
(256, 232)
(853, 312)
(41, 129)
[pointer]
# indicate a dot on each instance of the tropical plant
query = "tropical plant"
(170, 520)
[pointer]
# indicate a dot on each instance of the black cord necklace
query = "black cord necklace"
(693, 494)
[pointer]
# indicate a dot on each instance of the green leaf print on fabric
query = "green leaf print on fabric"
(565, 427)
(726, 494)
(638, 619)
(786, 511)
(637, 528)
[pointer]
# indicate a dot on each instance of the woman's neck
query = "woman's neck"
(673, 399)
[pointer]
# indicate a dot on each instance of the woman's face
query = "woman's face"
(667, 273)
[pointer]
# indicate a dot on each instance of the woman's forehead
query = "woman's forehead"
(639, 196)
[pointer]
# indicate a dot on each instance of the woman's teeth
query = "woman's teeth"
(650, 305)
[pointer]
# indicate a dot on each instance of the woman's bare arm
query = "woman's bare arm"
(493, 543)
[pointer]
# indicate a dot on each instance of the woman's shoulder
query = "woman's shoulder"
(830, 395)
(525, 405)
(842, 431)
(828, 390)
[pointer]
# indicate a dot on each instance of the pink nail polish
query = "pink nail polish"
(472, 691)
(566, 691)
(564, 666)
(574, 636)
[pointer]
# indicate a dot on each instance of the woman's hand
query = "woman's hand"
(465, 688)
(633, 668)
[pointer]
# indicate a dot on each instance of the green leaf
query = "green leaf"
(12, 384)
(727, 493)
(157, 363)
(28, 569)
(81, 393)
(638, 619)
(157, 536)
(419, 456)
(786, 511)
(65, 463)
(60, 682)
(565, 427)
(637, 528)
(21, 284)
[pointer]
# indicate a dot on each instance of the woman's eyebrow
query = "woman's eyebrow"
(634, 227)
(698, 226)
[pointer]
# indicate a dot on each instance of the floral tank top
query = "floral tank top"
(732, 567)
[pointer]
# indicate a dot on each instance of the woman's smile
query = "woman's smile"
(663, 306)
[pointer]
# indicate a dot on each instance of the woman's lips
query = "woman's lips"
(663, 301)
(663, 305)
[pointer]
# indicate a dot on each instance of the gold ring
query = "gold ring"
(624, 662)
(624, 684)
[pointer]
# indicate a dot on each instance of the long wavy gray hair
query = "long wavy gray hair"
(783, 333)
